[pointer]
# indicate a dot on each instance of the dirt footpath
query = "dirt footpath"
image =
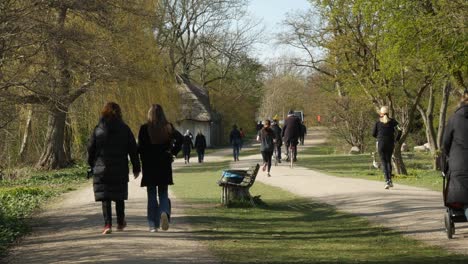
(415, 212)
(70, 232)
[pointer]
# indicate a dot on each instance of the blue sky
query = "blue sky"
(272, 13)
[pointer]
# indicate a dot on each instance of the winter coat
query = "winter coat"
(200, 142)
(291, 128)
(303, 130)
(110, 145)
(277, 132)
(235, 137)
(187, 146)
(266, 136)
(386, 134)
(456, 149)
(157, 158)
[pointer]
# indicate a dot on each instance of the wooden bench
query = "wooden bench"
(239, 191)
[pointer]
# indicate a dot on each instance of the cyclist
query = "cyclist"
(278, 141)
(291, 132)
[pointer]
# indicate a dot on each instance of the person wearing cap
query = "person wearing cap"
(290, 134)
(386, 131)
(455, 148)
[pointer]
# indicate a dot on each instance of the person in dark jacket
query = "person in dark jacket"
(187, 146)
(158, 143)
(110, 145)
(266, 137)
(290, 134)
(455, 147)
(235, 139)
(386, 131)
(278, 141)
(200, 145)
(303, 133)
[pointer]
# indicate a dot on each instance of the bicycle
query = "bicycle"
(291, 155)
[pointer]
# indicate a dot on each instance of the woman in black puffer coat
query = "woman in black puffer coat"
(110, 145)
(456, 149)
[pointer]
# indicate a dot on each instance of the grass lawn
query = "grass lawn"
(289, 229)
(323, 158)
(19, 198)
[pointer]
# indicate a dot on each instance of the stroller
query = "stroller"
(454, 211)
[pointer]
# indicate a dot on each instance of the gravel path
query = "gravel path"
(415, 212)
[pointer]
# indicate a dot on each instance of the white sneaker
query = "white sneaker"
(164, 221)
(387, 186)
(153, 230)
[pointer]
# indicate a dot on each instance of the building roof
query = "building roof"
(195, 102)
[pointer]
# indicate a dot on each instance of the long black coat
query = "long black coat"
(200, 142)
(291, 129)
(110, 145)
(187, 146)
(156, 160)
(456, 149)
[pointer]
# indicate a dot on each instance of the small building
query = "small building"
(195, 112)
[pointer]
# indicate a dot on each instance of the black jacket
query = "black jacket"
(266, 136)
(291, 129)
(386, 133)
(157, 158)
(456, 149)
(235, 137)
(277, 130)
(110, 145)
(200, 142)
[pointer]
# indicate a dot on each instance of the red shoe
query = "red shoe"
(107, 230)
(120, 227)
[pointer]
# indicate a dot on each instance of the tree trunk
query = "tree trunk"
(443, 111)
(428, 118)
(54, 155)
(27, 132)
(398, 162)
(67, 144)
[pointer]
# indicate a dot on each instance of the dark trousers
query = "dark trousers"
(235, 151)
(107, 211)
(386, 152)
(278, 151)
(187, 155)
(201, 155)
(267, 158)
(301, 139)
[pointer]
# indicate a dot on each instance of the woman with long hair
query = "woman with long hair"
(386, 131)
(110, 145)
(155, 141)
(455, 147)
(266, 137)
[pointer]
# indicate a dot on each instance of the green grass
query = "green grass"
(322, 158)
(289, 229)
(19, 198)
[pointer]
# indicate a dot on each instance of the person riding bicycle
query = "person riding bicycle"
(278, 141)
(291, 133)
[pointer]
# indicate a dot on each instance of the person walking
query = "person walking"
(158, 143)
(266, 137)
(290, 134)
(242, 136)
(455, 147)
(111, 142)
(200, 145)
(303, 133)
(278, 141)
(234, 140)
(187, 146)
(386, 131)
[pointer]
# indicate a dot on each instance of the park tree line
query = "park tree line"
(362, 54)
(61, 60)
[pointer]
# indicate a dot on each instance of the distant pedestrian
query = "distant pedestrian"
(455, 147)
(242, 136)
(234, 140)
(278, 140)
(200, 146)
(386, 131)
(187, 146)
(158, 143)
(110, 145)
(303, 133)
(291, 132)
(266, 137)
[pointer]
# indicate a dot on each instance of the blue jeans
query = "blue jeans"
(235, 151)
(154, 209)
